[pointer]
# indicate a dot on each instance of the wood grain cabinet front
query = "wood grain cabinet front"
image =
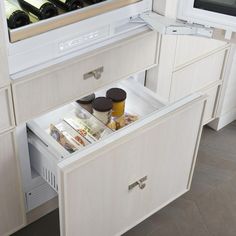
(6, 110)
(198, 75)
(213, 94)
(122, 179)
(97, 183)
(11, 196)
(47, 89)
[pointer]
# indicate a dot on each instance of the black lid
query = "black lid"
(86, 100)
(102, 104)
(116, 94)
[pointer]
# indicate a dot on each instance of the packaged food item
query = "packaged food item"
(122, 121)
(130, 118)
(73, 135)
(118, 97)
(81, 128)
(64, 141)
(86, 102)
(102, 108)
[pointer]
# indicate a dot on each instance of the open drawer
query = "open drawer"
(123, 177)
(64, 82)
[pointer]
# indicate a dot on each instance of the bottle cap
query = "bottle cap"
(102, 104)
(87, 100)
(116, 94)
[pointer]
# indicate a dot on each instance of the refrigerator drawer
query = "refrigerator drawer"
(50, 88)
(7, 116)
(198, 75)
(111, 182)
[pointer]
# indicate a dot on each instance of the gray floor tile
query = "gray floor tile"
(144, 228)
(218, 212)
(46, 226)
(224, 140)
(184, 215)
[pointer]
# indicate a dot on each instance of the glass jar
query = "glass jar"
(102, 108)
(118, 97)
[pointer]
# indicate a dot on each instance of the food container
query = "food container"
(118, 97)
(102, 108)
(86, 102)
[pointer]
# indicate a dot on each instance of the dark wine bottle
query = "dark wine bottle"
(42, 9)
(16, 17)
(68, 5)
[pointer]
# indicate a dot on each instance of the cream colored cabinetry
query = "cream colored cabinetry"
(95, 186)
(4, 73)
(212, 102)
(47, 89)
(197, 75)
(7, 117)
(11, 196)
(189, 64)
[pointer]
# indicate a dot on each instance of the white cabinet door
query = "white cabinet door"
(170, 157)
(4, 75)
(6, 107)
(94, 195)
(11, 196)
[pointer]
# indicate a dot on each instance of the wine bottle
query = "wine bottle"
(42, 9)
(68, 5)
(16, 17)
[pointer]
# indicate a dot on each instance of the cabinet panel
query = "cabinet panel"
(211, 103)
(94, 185)
(4, 75)
(50, 88)
(190, 48)
(197, 76)
(171, 151)
(11, 201)
(7, 117)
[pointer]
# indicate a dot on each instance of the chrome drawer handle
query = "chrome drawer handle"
(140, 183)
(97, 73)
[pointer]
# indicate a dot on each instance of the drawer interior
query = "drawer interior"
(46, 152)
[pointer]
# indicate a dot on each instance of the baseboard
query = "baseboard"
(223, 120)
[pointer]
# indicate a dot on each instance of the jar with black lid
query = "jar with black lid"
(86, 102)
(102, 108)
(118, 97)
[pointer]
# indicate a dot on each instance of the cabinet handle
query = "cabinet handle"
(97, 73)
(140, 183)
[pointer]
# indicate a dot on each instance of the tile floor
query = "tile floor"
(209, 209)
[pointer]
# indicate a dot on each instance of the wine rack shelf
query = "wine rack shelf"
(66, 19)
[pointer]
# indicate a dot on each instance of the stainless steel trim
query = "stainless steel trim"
(66, 19)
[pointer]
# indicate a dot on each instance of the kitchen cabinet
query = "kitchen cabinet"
(197, 75)
(212, 102)
(4, 75)
(65, 82)
(11, 195)
(190, 49)
(7, 117)
(98, 184)
(180, 73)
